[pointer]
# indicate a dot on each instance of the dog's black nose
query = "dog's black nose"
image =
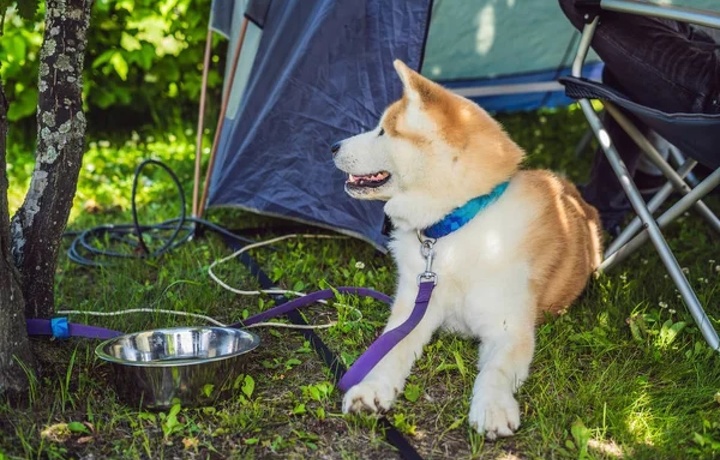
(335, 147)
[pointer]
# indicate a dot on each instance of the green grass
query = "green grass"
(624, 374)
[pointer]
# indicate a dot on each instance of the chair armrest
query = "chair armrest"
(705, 18)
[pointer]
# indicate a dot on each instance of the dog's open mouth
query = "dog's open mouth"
(369, 180)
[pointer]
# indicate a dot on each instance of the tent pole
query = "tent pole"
(200, 125)
(221, 119)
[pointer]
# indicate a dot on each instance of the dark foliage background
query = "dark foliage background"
(143, 65)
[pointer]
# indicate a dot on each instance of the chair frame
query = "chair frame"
(644, 226)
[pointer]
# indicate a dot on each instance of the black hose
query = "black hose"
(91, 244)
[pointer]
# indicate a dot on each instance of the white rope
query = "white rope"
(294, 326)
(259, 245)
(193, 315)
(244, 292)
(140, 310)
(231, 289)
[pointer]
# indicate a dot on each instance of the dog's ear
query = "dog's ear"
(405, 73)
(417, 88)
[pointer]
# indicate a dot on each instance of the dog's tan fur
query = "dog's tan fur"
(529, 253)
(566, 249)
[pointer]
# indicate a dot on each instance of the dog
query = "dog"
(529, 252)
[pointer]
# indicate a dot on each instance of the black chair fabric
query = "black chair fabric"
(696, 135)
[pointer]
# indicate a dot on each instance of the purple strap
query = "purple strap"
(310, 299)
(44, 327)
(382, 346)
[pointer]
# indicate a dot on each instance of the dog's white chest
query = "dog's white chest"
(476, 269)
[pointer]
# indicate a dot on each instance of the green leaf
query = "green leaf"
(454, 425)
(238, 382)
(129, 43)
(460, 363)
(120, 65)
(412, 392)
(16, 49)
(292, 362)
(207, 389)
(171, 424)
(314, 393)
(581, 434)
(174, 410)
(103, 58)
(77, 427)
(24, 105)
(248, 386)
(669, 332)
(299, 409)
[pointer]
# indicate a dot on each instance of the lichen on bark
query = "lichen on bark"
(60, 147)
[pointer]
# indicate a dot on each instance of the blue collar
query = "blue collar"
(465, 213)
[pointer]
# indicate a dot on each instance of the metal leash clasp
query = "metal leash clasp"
(428, 253)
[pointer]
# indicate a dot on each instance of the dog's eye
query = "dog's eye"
(382, 131)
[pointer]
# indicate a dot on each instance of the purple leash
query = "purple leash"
(386, 342)
(60, 328)
(310, 299)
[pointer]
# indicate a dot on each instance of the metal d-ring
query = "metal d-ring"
(428, 252)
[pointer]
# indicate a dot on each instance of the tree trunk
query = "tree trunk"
(14, 347)
(38, 225)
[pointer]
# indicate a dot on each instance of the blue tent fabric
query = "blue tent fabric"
(221, 14)
(257, 11)
(323, 72)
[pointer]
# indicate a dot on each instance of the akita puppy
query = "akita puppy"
(529, 250)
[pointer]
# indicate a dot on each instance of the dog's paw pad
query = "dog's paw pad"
(495, 416)
(370, 396)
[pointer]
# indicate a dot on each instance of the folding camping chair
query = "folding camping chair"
(696, 135)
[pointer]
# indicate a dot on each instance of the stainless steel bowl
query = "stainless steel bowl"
(194, 366)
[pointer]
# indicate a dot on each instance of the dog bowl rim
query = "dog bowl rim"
(100, 353)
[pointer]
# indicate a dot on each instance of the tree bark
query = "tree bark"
(37, 227)
(14, 346)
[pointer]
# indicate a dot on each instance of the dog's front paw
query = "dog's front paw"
(370, 395)
(495, 414)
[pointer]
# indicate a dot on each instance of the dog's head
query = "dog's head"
(432, 149)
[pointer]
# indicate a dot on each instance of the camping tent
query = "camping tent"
(311, 72)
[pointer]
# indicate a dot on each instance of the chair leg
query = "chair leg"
(652, 229)
(705, 187)
(635, 224)
(650, 150)
(678, 158)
